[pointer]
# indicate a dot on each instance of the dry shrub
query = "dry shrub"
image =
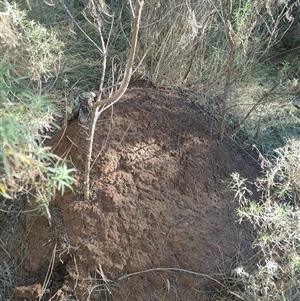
(209, 49)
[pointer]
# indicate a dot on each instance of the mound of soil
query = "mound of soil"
(159, 224)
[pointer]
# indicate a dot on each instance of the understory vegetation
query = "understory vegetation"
(273, 273)
(238, 60)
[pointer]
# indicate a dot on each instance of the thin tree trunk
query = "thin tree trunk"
(114, 98)
(86, 181)
(225, 102)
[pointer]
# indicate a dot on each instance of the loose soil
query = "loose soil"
(159, 224)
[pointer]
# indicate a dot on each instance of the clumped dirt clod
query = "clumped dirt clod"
(158, 201)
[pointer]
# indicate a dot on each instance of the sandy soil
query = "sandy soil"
(158, 208)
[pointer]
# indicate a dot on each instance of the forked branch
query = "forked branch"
(128, 71)
(112, 99)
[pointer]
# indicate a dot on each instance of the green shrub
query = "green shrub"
(27, 167)
(273, 274)
(33, 50)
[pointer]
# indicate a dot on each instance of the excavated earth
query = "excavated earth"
(159, 225)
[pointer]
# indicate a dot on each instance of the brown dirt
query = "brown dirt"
(158, 201)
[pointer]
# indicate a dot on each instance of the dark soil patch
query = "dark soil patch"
(158, 201)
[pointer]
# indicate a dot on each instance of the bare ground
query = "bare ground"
(158, 208)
